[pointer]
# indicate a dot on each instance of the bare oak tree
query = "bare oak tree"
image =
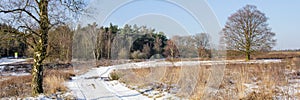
(247, 31)
(34, 18)
(202, 44)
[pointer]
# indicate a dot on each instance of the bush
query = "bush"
(138, 55)
(114, 76)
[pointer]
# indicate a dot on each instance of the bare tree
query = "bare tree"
(202, 44)
(35, 18)
(247, 31)
(146, 50)
(186, 46)
(157, 45)
(60, 44)
(170, 50)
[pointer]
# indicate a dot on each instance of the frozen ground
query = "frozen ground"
(92, 86)
(4, 61)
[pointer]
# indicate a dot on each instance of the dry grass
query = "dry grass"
(15, 86)
(278, 55)
(263, 78)
(54, 80)
(63, 73)
(54, 84)
(201, 83)
(81, 67)
(20, 86)
(171, 76)
(264, 55)
(134, 76)
(241, 81)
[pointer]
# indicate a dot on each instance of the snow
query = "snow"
(188, 63)
(1, 68)
(15, 74)
(123, 92)
(4, 61)
(84, 87)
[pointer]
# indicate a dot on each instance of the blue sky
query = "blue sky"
(195, 16)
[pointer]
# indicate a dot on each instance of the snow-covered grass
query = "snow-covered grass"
(255, 79)
(91, 86)
(104, 72)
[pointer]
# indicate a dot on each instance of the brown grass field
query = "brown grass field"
(241, 81)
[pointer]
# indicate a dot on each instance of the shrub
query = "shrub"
(114, 76)
(138, 55)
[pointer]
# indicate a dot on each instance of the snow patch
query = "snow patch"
(4, 61)
(1, 68)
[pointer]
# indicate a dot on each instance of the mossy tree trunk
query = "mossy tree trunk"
(40, 49)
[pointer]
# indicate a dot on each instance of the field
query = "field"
(242, 80)
(273, 80)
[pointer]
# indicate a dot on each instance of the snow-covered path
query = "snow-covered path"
(90, 86)
(84, 88)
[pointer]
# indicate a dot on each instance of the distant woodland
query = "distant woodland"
(106, 42)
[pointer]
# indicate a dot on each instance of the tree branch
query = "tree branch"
(19, 34)
(19, 10)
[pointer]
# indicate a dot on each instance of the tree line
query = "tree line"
(11, 43)
(135, 42)
(111, 42)
(59, 43)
